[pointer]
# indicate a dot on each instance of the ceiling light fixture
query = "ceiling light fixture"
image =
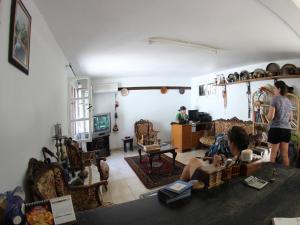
(182, 43)
(297, 3)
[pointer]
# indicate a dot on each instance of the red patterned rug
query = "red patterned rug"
(162, 170)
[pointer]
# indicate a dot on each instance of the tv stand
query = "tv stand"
(100, 143)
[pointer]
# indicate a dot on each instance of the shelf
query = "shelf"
(260, 79)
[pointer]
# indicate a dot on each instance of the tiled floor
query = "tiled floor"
(124, 185)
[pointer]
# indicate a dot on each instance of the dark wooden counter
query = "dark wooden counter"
(229, 204)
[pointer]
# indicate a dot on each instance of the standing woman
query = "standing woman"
(280, 115)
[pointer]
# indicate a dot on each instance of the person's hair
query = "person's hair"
(282, 86)
(239, 137)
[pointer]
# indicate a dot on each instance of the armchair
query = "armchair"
(78, 159)
(144, 132)
(47, 181)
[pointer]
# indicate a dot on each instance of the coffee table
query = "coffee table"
(163, 149)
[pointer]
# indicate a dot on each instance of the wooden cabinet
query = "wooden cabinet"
(185, 138)
(181, 137)
(100, 143)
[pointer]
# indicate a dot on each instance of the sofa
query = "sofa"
(222, 126)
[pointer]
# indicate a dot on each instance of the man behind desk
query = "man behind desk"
(181, 116)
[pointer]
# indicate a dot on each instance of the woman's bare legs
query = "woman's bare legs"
(274, 151)
(284, 151)
(190, 168)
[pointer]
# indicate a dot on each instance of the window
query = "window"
(80, 110)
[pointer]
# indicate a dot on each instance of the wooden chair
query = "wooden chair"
(48, 181)
(144, 132)
(78, 159)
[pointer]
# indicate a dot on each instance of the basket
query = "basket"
(236, 170)
(227, 173)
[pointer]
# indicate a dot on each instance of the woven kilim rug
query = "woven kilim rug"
(162, 170)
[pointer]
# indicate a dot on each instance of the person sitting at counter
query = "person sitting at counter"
(238, 140)
(181, 116)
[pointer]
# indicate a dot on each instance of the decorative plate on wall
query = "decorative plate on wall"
(288, 69)
(273, 69)
(163, 90)
(244, 75)
(258, 73)
(124, 92)
(181, 91)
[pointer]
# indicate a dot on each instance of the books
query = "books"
(178, 186)
(255, 182)
(56, 211)
(174, 192)
(168, 197)
(286, 221)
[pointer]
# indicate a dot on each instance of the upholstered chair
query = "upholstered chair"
(48, 181)
(144, 132)
(79, 159)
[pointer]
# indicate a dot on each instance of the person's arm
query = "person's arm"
(271, 113)
(272, 109)
(177, 118)
(291, 112)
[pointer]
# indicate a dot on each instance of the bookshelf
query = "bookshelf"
(261, 101)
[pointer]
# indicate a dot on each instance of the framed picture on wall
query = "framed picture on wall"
(19, 38)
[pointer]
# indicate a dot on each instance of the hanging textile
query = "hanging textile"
(116, 128)
(249, 99)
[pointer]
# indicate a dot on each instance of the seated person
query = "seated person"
(238, 140)
(181, 116)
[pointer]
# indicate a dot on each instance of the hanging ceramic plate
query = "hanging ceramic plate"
(231, 78)
(244, 75)
(124, 92)
(288, 69)
(258, 73)
(181, 91)
(163, 90)
(273, 69)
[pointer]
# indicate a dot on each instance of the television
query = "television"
(102, 124)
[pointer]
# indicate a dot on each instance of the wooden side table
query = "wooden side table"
(128, 140)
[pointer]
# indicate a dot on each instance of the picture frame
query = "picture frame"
(19, 38)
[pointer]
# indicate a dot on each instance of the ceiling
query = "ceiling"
(109, 38)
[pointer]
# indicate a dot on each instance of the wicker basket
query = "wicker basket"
(227, 173)
(236, 170)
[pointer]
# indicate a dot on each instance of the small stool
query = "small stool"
(128, 140)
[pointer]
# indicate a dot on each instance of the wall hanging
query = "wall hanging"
(124, 91)
(249, 99)
(201, 90)
(115, 127)
(19, 38)
(164, 90)
(224, 95)
(181, 91)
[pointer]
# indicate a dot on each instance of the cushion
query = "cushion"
(104, 170)
(46, 185)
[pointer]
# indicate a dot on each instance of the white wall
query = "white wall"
(29, 105)
(143, 104)
(237, 101)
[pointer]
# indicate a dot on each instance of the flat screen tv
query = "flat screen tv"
(102, 123)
